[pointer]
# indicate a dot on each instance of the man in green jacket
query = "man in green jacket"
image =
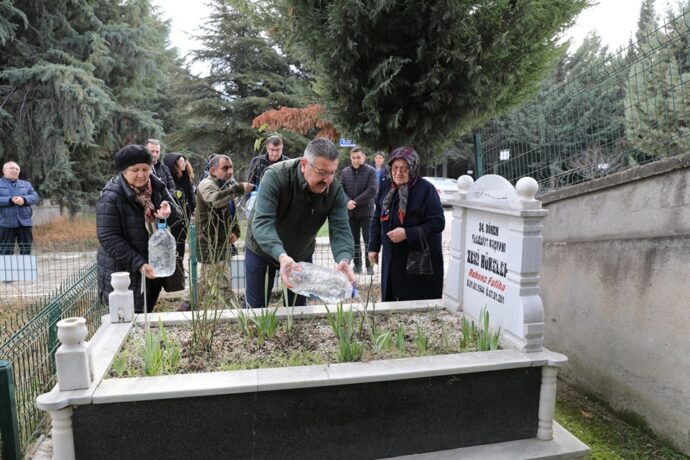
(295, 199)
(217, 226)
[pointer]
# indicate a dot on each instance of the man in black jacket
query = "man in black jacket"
(359, 183)
(159, 169)
(274, 154)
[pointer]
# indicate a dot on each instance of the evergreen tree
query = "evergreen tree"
(657, 122)
(646, 22)
(79, 82)
(416, 72)
(248, 76)
(573, 128)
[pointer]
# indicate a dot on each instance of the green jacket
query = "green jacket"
(214, 220)
(287, 216)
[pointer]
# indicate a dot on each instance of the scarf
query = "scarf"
(142, 195)
(412, 158)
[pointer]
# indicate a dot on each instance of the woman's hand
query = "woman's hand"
(148, 271)
(397, 235)
(164, 211)
(373, 258)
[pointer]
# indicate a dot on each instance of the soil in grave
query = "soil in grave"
(310, 341)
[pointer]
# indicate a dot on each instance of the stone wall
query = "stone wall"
(615, 289)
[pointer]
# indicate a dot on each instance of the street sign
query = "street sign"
(347, 142)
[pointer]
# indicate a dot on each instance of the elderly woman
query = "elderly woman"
(126, 215)
(183, 176)
(408, 212)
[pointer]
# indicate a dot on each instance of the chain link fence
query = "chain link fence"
(37, 290)
(600, 114)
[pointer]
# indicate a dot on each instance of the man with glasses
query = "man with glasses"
(16, 198)
(295, 199)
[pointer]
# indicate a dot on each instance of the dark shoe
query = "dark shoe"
(183, 306)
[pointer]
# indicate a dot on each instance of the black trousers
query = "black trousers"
(22, 235)
(360, 225)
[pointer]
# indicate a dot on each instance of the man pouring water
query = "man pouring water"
(295, 199)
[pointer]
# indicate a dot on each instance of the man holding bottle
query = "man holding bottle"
(295, 199)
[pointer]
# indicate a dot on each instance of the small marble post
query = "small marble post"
(63, 436)
(454, 280)
(121, 300)
(72, 358)
(547, 403)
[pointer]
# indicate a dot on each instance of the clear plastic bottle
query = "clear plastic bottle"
(250, 202)
(314, 281)
(162, 251)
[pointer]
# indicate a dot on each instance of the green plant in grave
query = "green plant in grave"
(421, 340)
(381, 339)
(244, 324)
(120, 364)
(344, 326)
(469, 334)
(400, 338)
(160, 354)
(266, 324)
(486, 340)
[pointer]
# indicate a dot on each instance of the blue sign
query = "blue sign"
(347, 142)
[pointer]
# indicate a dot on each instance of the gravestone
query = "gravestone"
(496, 257)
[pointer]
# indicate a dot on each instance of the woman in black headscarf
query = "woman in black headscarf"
(126, 215)
(408, 212)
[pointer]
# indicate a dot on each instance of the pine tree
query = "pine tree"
(657, 121)
(248, 76)
(79, 82)
(416, 72)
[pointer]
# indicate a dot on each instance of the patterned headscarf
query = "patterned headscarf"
(410, 155)
(142, 195)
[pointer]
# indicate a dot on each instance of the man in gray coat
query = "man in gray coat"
(360, 186)
(16, 198)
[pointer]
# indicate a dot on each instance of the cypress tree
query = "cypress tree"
(248, 76)
(416, 72)
(79, 82)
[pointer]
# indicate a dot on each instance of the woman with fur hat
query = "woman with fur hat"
(126, 215)
(408, 214)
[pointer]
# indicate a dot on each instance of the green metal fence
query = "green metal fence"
(28, 341)
(599, 113)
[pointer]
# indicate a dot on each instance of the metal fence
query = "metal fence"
(37, 291)
(600, 114)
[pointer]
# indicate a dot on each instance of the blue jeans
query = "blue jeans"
(259, 286)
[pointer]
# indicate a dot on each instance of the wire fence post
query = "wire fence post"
(192, 264)
(479, 162)
(55, 311)
(9, 428)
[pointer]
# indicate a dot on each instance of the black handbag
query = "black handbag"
(419, 260)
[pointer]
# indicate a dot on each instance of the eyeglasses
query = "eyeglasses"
(400, 169)
(321, 172)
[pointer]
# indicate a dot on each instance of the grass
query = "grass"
(66, 231)
(605, 433)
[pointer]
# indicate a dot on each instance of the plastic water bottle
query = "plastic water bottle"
(314, 281)
(162, 251)
(250, 203)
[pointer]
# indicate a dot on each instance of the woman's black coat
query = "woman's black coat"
(121, 231)
(425, 214)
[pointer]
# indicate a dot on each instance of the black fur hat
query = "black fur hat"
(130, 155)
